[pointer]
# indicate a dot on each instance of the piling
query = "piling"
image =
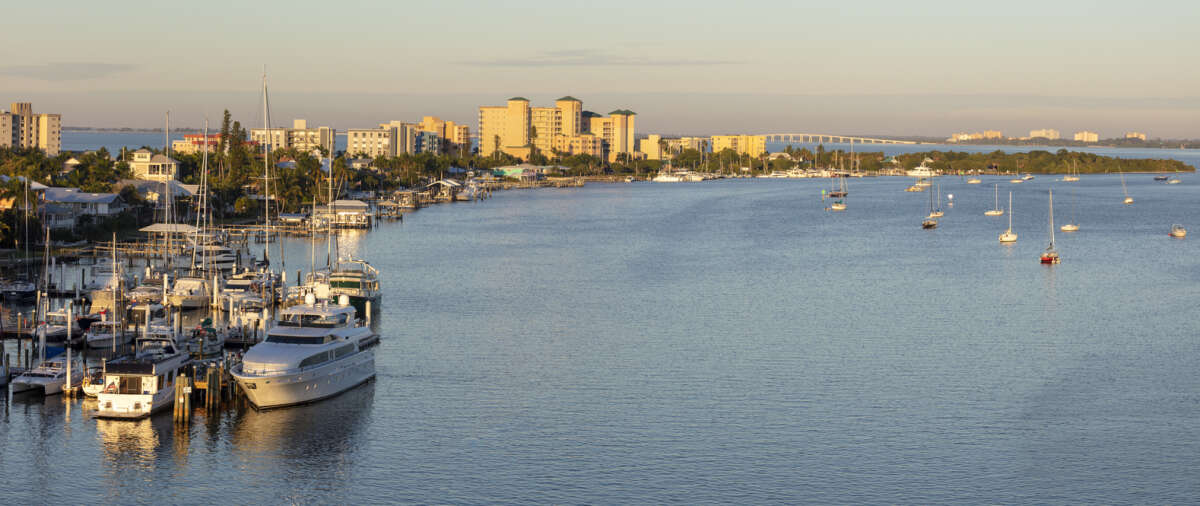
(182, 399)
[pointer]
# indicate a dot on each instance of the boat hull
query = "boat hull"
(308, 386)
(133, 407)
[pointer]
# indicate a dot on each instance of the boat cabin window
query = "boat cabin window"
(315, 359)
(275, 338)
(125, 385)
(314, 320)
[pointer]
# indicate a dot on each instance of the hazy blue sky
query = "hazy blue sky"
(923, 68)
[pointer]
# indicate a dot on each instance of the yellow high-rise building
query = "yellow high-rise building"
(617, 131)
(1086, 136)
(753, 145)
(455, 138)
(517, 128)
(505, 128)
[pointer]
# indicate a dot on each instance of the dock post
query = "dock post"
(368, 318)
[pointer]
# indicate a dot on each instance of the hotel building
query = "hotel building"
(21, 128)
(1045, 133)
(1086, 136)
(517, 129)
(1135, 135)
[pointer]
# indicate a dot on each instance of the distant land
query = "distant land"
(126, 129)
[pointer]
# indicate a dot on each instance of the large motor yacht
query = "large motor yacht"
(315, 351)
(139, 386)
(356, 279)
(189, 293)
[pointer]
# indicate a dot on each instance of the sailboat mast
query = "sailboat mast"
(1010, 211)
(266, 173)
(1051, 219)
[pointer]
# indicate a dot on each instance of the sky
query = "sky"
(686, 67)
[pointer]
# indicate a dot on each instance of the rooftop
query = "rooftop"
(626, 112)
(74, 196)
(523, 99)
(569, 98)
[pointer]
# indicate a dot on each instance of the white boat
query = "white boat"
(974, 180)
(930, 221)
(139, 386)
(1073, 175)
(1178, 231)
(57, 326)
(1016, 181)
(667, 177)
(49, 377)
(1008, 235)
(921, 171)
(937, 211)
(205, 340)
(1050, 256)
(189, 293)
(995, 210)
(213, 256)
(93, 382)
(356, 279)
(316, 351)
(101, 335)
(1072, 226)
(1027, 177)
(1173, 180)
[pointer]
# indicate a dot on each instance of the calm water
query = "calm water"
(716, 342)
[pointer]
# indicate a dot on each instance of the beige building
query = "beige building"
(299, 137)
(517, 129)
(455, 138)
(655, 147)
(371, 142)
(21, 128)
(1046, 133)
(993, 134)
(153, 167)
(1135, 135)
(753, 145)
(1086, 136)
(617, 130)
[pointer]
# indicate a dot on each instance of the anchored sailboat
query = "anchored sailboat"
(930, 221)
(1050, 256)
(995, 210)
(1072, 226)
(1128, 199)
(1008, 235)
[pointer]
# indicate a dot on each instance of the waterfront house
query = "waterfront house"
(58, 217)
(153, 167)
(82, 206)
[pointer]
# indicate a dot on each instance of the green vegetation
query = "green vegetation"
(1041, 162)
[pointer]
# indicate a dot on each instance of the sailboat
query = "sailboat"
(1073, 175)
(1072, 226)
(1050, 256)
(1008, 235)
(930, 221)
(840, 194)
(1128, 199)
(995, 210)
(937, 211)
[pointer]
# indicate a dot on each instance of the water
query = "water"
(726, 342)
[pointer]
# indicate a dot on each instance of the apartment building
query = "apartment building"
(21, 128)
(753, 145)
(1135, 135)
(392, 139)
(616, 130)
(299, 137)
(1045, 133)
(517, 129)
(455, 138)
(1086, 136)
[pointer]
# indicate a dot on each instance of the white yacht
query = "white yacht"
(356, 279)
(921, 171)
(214, 256)
(49, 377)
(205, 340)
(189, 293)
(317, 350)
(667, 177)
(100, 335)
(139, 386)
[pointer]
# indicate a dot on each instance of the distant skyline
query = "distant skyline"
(926, 68)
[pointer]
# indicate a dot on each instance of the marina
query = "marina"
(467, 382)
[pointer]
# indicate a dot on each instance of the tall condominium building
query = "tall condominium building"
(753, 145)
(299, 137)
(655, 147)
(1135, 135)
(1086, 136)
(392, 139)
(455, 138)
(517, 129)
(21, 128)
(1046, 133)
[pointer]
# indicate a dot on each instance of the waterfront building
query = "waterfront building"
(517, 129)
(993, 134)
(153, 167)
(455, 138)
(371, 142)
(1086, 136)
(21, 128)
(73, 206)
(196, 143)
(299, 137)
(678, 145)
(1135, 135)
(1045, 133)
(753, 145)
(652, 147)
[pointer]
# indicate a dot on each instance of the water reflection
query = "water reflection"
(291, 446)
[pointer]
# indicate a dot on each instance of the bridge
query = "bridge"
(827, 138)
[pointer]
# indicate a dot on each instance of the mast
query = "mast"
(1051, 220)
(266, 172)
(1010, 211)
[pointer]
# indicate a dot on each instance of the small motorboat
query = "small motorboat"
(1160, 178)
(1178, 231)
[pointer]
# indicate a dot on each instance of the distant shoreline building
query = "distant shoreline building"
(395, 138)
(21, 128)
(753, 145)
(299, 137)
(975, 136)
(1087, 136)
(1045, 133)
(1135, 135)
(517, 129)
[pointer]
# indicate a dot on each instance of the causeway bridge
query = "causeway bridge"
(828, 138)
